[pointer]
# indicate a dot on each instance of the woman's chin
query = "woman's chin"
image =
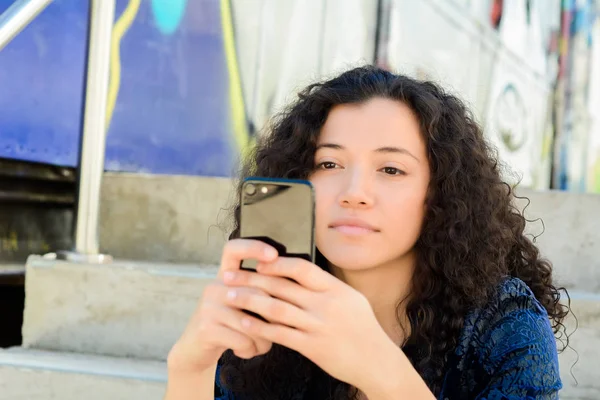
(353, 262)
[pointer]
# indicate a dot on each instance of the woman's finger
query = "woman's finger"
(239, 343)
(232, 318)
(278, 287)
(272, 309)
(307, 274)
(291, 338)
(237, 250)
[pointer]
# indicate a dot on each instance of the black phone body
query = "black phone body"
(280, 212)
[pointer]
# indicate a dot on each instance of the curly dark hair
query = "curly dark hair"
(472, 236)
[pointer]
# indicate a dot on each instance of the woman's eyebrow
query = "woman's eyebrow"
(398, 150)
(330, 146)
(385, 149)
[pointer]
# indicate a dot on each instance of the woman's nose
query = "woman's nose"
(356, 191)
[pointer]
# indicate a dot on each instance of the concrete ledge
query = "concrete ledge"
(186, 219)
(85, 364)
(586, 310)
(132, 309)
(579, 361)
(40, 375)
(165, 218)
(569, 235)
(124, 309)
(579, 365)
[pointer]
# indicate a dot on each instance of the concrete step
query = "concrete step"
(124, 309)
(579, 365)
(42, 375)
(45, 375)
(579, 361)
(132, 309)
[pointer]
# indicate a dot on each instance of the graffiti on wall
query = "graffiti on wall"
(593, 165)
(168, 104)
(576, 145)
(501, 56)
(496, 56)
(192, 83)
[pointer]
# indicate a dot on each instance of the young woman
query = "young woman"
(425, 285)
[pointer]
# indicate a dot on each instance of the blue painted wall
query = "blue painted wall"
(171, 115)
(41, 83)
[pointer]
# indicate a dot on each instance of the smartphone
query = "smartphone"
(280, 212)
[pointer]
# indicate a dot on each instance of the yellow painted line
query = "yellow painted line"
(119, 30)
(236, 96)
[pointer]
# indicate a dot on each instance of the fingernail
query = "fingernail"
(231, 294)
(228, 276)
(270, 252)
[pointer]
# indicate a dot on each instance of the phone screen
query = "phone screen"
(280, 213)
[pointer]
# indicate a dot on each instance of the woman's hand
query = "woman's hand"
(215, 326)
(313, 313)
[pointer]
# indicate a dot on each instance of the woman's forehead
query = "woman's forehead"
(373, 124)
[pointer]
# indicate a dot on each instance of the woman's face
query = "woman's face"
(370, 181)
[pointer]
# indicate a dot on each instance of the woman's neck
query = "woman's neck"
(385, 286)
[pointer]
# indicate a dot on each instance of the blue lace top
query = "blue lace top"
(506, 351)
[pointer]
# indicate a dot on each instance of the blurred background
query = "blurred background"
(190, 84)
(192, 80)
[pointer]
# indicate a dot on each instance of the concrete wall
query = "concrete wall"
(186, 219)
(569, 235)
(165, 218)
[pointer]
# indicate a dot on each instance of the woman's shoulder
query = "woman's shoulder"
(511, 288)
(512, 311)
(509, 341)
(512, 298)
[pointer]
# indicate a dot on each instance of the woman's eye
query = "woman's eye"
(327, 165)
(393, 171)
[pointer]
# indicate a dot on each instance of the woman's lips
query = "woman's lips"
(352, 230)
(353, 226)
